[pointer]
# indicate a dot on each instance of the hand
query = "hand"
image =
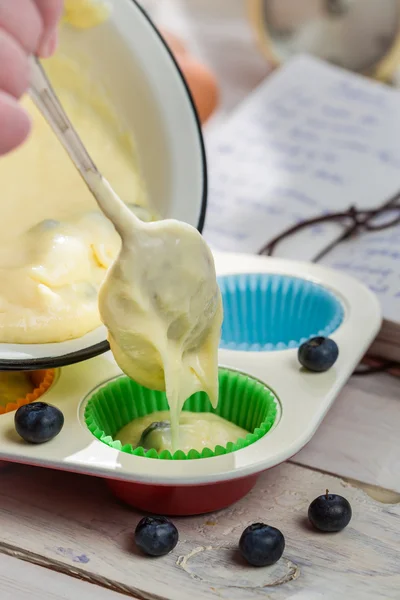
(26, 27)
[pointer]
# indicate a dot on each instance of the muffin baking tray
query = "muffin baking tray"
(271, 306)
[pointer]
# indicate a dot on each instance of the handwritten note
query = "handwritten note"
(375, 259)
(311, 139)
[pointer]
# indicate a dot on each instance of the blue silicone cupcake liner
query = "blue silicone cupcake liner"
(264, 312)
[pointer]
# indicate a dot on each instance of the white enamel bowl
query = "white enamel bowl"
(129, 57)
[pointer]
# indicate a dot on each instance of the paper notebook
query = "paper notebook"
(312, 139)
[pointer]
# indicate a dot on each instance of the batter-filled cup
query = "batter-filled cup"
(38, 381)
(244, 401)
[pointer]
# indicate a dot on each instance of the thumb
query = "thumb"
(49, 46)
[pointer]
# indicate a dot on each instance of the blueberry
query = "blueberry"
(46, 225)
(146, 443)
(261, 545)
(156, 536)
(38, 422)
(329, 512)
(318, 354)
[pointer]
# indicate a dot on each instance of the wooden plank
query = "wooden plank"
(23, 581)
(71, 523)
(359, 437)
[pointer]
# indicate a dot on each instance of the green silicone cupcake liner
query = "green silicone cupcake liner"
(242, 400)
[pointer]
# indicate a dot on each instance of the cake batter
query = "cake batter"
(196, 430)
(55, 245)
(84, 14)
(14, 386)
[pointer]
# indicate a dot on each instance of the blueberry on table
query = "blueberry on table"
(261, 545)
(318, 354)
(156, 536)
(330, 513)
(38, 422)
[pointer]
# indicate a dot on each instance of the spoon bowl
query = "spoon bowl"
(177, 292)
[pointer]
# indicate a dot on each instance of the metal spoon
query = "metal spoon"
(168, 262)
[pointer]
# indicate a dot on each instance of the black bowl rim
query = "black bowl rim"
(49, 362)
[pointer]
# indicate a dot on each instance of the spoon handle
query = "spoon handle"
(46, 100)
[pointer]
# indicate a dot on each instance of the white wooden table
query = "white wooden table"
(64, 537)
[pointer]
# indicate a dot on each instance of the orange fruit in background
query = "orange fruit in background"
(201, 81)
(176, 45)
(203, 85)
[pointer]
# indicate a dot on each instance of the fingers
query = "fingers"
(14, 123)
(26, 27)
(22, 20)
(33, 23)
(14, 71)
(51, 12)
